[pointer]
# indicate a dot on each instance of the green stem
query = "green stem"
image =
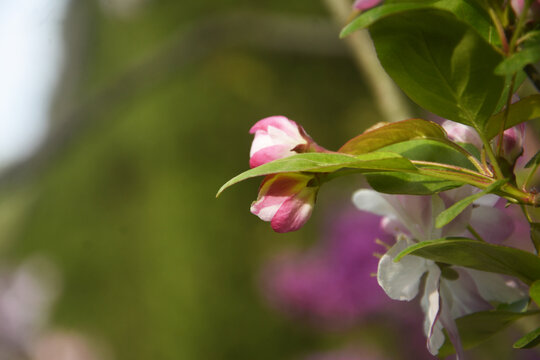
(500, 29)
(477, 164)
(519, 27)
(490, 154)
(451, 167)
(475, 233)
(505, 116)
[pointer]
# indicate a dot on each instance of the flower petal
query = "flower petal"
(373, 202)
(492, 224)
(274, 191)
(430, 304)
(400, 280)
(282, 123)
(269, 153)
(495, 287)
(365, 4)
(295, 211)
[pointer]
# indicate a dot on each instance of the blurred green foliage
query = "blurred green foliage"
(151, 261)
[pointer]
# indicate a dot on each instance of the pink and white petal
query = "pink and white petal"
(280, 122)
(365, 4)
(274, 191)
(462, 133)
(283, 137)
(260, 141)
(431, 305)
(492, 224)
(495, 287)
(270, 153)
(294, 212)
(400, 280)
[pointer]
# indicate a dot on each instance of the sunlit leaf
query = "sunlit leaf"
(517, 61)
(326, 162)
(392, 133)
(430, 150)
(457, 208)
(480, 256)
(441, 63)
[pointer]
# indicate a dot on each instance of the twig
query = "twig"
(389, 99)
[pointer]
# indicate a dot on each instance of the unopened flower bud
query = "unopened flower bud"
(363, 5)
(277, 137)
(286, 200)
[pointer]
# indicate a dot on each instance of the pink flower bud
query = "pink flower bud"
(513, 143)
(277, 137)
(462, 133)
(363, 5)
(286, 200)
(518, 6)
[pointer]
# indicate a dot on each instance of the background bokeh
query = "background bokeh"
(150, 116)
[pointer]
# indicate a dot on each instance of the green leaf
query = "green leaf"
(528, 341)
(520, 78)
(430, 150)
(450, 214)
(526, 109)
(326, 162)
(533, 161)
(370, 17)
(441, 63)
(518, 306)
(480, 326)
(480, 256)
(466, 10)
(407, 183)
(534, 292)
(392, 133)
(517, 61)
(535, 235)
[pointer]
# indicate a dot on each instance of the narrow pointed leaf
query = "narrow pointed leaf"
(393, 133)
(534, 292)
(535, 236)
(441, 63)
(533, 161)
(480, 326)
(517, 62)
(450, 214)
(480, 256)
(325, 163)
(530, 340)
(524, 110)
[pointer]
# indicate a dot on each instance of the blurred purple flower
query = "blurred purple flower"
(332, 284)
(346, 354)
